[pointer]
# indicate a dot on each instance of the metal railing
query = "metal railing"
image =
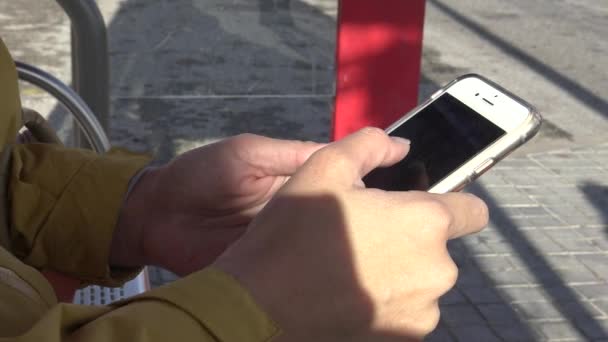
(84, 117)
(90, 60)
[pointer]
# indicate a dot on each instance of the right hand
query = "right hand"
(330, 260)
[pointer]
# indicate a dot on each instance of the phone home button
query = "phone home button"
(484, 166)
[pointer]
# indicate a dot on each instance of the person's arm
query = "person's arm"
(63, 208)
(205, 306)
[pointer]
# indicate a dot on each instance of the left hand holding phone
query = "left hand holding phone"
(331, 260)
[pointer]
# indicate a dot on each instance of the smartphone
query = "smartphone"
(459, 133)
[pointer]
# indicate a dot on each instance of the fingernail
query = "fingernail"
(401, 140)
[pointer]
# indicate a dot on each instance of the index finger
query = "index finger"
(348, 160)
(468, 213)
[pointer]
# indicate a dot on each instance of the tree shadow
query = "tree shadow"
(597, 195)
(579, 316)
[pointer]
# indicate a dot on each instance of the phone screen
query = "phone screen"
(444, 136)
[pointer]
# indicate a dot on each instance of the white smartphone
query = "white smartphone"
(458, 134)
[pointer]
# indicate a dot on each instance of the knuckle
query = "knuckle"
(245, 139)
(429, 320)
(332, 155)
(438, 213)
(447, 277)
(419, 322)
(246, 136)
(374, 131)
(329, 159)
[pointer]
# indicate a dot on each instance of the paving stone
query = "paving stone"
(521, 180)
(537, 310)
(578, 245)
(475, 245)
(527, 260)
(476, 332)
(593, 232)
(563, 262)
(558, 166)
(499, 314)
(583, 219)
(581, 310)
(598, 263)
(593, 292)
(517, 333)
(565, 275)
(542, 221)
(536, 221)
(511, 198)
(511, 277)
(452, 297)
(460, 315)
(542, 242)
(594, 329)
(490, 234)
(440, 334)
(601, 243)
(560, 234)
(522, 294)
(561, 293)
(494, 263)
(518, 164)
(481, 295)
(560, 330)
(602, 304)
(471, 277)
(533, 211)
(496, 247)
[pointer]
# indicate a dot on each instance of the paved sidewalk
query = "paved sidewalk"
(188, 72)
(540, 270)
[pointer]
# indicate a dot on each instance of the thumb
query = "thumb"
(348, 160)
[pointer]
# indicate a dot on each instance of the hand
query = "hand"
(181, 216)
(330, 260)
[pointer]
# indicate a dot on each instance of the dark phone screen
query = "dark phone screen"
(444, 136)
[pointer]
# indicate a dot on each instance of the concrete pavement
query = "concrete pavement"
(188, 72)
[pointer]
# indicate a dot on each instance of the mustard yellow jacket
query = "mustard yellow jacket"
(61, 206)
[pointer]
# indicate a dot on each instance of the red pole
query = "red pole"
(378, 54)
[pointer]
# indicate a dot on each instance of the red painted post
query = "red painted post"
(378, 55)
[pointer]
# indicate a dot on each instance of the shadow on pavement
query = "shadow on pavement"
(563, 297)
(566, 84)
(597, 195)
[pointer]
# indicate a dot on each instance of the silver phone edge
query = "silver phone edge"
(497, 151)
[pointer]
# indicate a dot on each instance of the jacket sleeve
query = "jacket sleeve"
(63, 208)
(205, 306)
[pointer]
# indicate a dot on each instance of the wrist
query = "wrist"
(127, 249)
